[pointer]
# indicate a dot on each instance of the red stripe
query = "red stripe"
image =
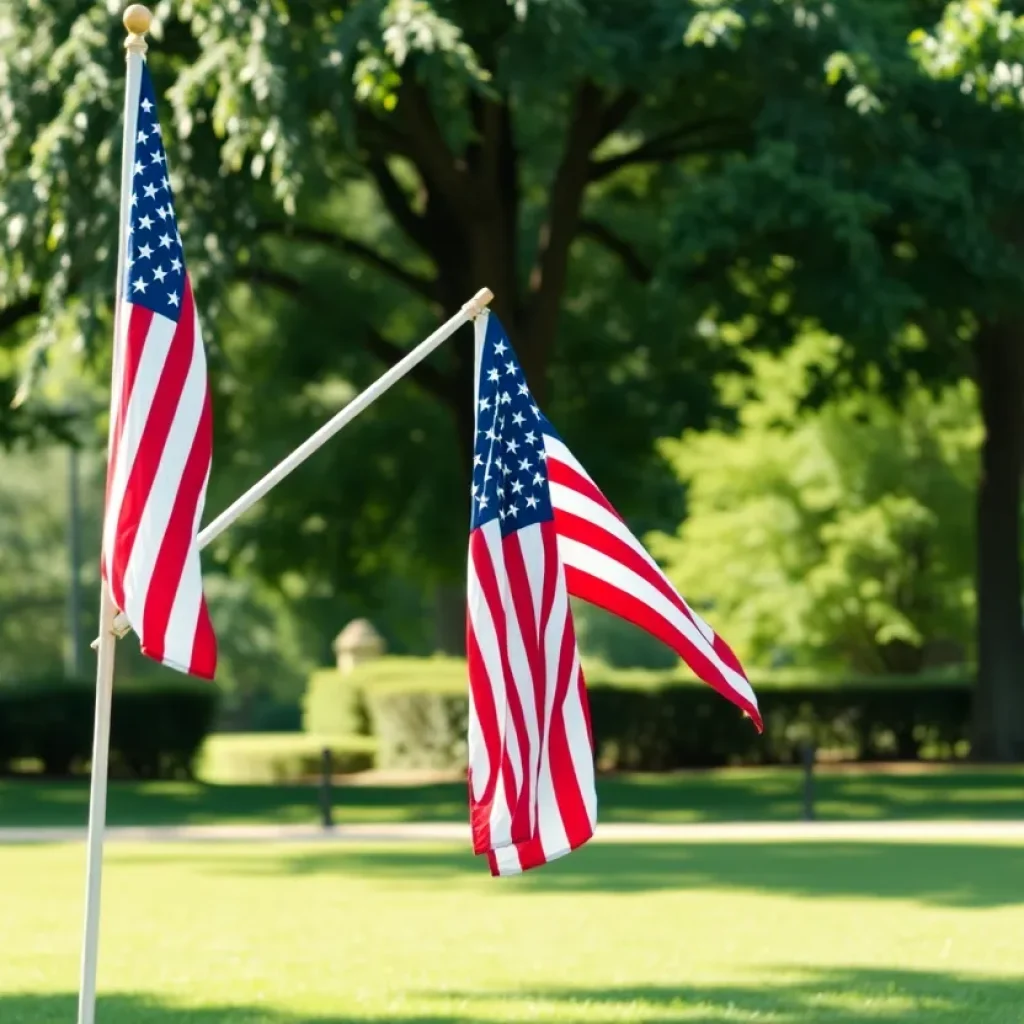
(139, 322)
(574, 527)
(567, 476)
(618, 602)
(178, 543)
(153, 441)
(518, 801)
(483, 703)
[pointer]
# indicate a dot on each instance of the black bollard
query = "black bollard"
(808, 762)
(326, 817)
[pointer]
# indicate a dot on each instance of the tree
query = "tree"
(836, 538)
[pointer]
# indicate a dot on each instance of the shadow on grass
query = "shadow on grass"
(840, 996)
(772, 794)
(951, 875)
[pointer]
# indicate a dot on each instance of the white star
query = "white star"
(513, 511)
(542, 455)
(165, 241)
(477, 460)
(141, 137)
(505, 471)
(492, 375)
(146, 106)
(531, 437)
(523, 389)
(518, 418)
(473, 490)
(160, 274)
(482, 501)
(175, 264)
(156, 128)
(165, 183)
(135, 199)
(499, 463)
(535, 410)
(158, 157)
(491, 435)
(516, 487)
(150, 191)
(510, 368)
(138, 167)
(512, 446)
(501, 348)
(505, 398)
(524, 464)
(145, 252)
(485, 404)
(501, 492)
(145, 221)
(172, 298)
(501, 512)
(531, 502)
(139, 285)
(537, 479)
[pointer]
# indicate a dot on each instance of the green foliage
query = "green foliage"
(156, 731)
(249, 758)
(839, 537)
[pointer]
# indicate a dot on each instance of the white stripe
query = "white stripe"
(572, 501)
(138, 576)
(556, 449)
(580, 750)
(507, 860)
(553, 835)
(487, 641)
(522, 677)
(156, 346)
(595, 563)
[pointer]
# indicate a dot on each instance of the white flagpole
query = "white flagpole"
(470, 311)
(137, 20)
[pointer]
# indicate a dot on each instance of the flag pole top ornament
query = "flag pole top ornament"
(137, 19)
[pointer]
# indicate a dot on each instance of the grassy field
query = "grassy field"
(704, 933)
(757, 795)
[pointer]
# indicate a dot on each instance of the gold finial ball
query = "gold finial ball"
(137, 19)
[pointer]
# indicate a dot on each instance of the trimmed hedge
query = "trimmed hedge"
(156, 730)
(280, 757)
(658, 721)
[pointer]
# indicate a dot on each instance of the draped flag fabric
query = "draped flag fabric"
(542, 531)
(161, 435)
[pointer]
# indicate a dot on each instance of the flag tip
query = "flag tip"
(479, 302)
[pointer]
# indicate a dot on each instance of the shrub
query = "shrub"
(650, 721)
(156, 730)
(280, 757)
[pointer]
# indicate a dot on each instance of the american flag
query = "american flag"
(161, 435)
(542, 531)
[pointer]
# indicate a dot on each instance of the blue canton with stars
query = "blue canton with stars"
(510, 478)
(155, 275)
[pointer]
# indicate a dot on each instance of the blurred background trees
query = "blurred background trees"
(760, 259)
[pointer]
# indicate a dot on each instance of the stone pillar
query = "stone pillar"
(356, 643)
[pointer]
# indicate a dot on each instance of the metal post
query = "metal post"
(808, 755)
(326, 771)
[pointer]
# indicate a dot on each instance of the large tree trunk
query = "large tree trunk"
(998, 728)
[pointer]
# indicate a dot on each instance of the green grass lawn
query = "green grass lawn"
(742, 795)
(788, 933)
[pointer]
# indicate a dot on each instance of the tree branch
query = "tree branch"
(397, 203)
(427, 287)
(629, 257)
(11, 316)
(670, 146)
(427, 376)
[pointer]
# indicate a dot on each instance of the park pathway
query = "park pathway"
(613, 832)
